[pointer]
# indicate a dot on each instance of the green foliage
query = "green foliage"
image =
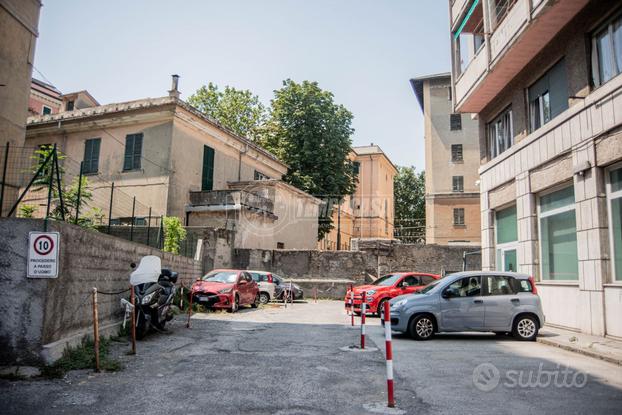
(82, 357)
(409, 194)
(238, 110)
(311, 133)
(40, 155)
(27, 211)
(88, 218)
(174, 234)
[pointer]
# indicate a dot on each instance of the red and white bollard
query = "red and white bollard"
(352, 307)
(363, 311)
(389, 349)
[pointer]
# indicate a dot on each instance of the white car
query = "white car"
(266, 285)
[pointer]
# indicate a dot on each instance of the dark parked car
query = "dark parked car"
(282, 289)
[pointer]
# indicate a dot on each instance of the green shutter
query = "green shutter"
(133, 151)
(129, 150)
(207, 179)
(91, 155)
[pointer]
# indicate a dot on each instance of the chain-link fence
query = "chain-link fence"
(41, 182)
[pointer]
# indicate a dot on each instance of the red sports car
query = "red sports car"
(226, 288)
(387, 287)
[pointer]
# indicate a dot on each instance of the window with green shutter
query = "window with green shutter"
(207, 178)
(90, 163)
(133, 151)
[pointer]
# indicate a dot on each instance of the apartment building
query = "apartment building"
(544, 78)
(369, 212)
(179, 162)
(452, 212)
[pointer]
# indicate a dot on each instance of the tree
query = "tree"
(238, 110)
(174, 234)
(88, 217)
(311, 134)
(409, 200)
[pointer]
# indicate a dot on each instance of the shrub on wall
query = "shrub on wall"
(174, 233)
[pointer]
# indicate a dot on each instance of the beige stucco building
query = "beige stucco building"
(452, 212)
(369, 212)
(545, 80)
(178, 162)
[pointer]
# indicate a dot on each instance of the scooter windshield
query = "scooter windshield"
(148, 270)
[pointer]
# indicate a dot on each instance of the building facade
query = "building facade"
(44, 98)
(369, 212)
(452, 211)
(544, 78)
(178, 162)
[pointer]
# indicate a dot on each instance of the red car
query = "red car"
(387, 287)
(226, 288)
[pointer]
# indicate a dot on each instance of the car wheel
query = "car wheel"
(255, 303)
(380, 308)
(236, 304)
(264, 298)
(525, 328)
(421, 327)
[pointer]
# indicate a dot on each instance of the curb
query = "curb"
(581, 351)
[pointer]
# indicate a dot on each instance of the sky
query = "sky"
(363, 51)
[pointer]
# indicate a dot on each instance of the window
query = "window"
(456, 152)
(548, 97)
(607, 51)
(280, 245)
(500, 133)
(449, 93)
(465, 287)
(558, 236)
(425, 280)
(455, 122)
(356, 167)
(90, 164)
(499, 285)
(133, 151)
(506, 231)
(457, 183)
(410, 281)
(469, 37)
(207, 175)
(46, 110)
(69, 106)
(260, 176)
(459, 216)
(614, 193)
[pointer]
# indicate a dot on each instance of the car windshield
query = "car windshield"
(429, 287)
(387, 280)
(221, 276)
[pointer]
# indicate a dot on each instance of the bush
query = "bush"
(174, 234)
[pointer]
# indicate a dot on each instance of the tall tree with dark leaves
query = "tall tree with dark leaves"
(238, 110)
(409, 195)
(311, 133)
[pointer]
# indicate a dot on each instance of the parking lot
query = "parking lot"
(276, 360)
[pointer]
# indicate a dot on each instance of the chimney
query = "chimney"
(174, 92)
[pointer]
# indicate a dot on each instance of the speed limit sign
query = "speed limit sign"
(43, 254)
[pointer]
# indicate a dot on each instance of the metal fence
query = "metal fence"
(410, 231)
(41, 182)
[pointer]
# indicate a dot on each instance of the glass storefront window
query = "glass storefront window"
(558, 236)
(615, 223)
(506, 239)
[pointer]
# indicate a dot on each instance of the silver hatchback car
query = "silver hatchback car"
(501, 302)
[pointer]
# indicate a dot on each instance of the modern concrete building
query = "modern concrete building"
(19, 21)
(369, 212)
(179, 162)
(452, 212)
(544, 78)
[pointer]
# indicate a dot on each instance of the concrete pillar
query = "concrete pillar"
(488, 234)
(527, 221)
(592, 238)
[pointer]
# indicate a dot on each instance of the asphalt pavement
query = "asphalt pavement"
(296, 361)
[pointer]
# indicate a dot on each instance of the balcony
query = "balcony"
(227, 200)
(457, 9)
(520, 30)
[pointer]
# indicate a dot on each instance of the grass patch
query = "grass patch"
(82, 357)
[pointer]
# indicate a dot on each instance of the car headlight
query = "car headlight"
(224, 291)
(147, 299)
(399, 303)
(371, 292)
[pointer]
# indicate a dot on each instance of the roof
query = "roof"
(45, 85)
(140, 104)
(371, 150)
(84, 92)
(486, 273)
(417, 84)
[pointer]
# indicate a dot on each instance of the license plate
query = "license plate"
(203, 298)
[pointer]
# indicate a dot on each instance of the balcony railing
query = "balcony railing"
(473, 72)
(457, 8)
(513, 16)
(231, 198)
